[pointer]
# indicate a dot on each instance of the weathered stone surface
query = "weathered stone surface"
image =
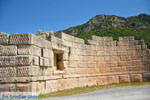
(7, 72)
(20, 38)
(36, 60)
(124, 78)
(23, 60)
(8, 61)
(24, 50)
(37, 51)
(146, 76)
(100, 61)
(4, 39)
(136, 77)
(22, 71)
(8, 50)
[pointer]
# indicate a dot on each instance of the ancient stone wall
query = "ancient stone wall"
(46, 62)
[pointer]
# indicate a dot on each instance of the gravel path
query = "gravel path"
(125, 93)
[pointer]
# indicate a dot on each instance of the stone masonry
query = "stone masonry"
(46, 62)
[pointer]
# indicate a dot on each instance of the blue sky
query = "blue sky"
(21, 16)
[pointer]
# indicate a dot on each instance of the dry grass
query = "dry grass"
(89, 89)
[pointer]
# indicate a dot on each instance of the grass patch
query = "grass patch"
(80, 90)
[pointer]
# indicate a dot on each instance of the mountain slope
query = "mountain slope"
(114, 26)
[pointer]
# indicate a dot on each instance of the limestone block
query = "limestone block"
(105, 38)
(22, 88)
(101, 43)
(47, 52)
(124, 79)
(136, 77)
(122, 43)
(136, 63)
(99, 59)
(146, 76)
(41, 61)
(4, 38)
(131, 38)
(8, 61)
(41, 86)
(90, 53)
(122, 63)
(123, 38)
(91, 64)
(91, 42)
(34, 71)
(102, 80)
(67, 44)
(113, 64)
(100, 53)
(79, 52)
(23, 60)
(49, 72)
(122, 53)
(36, 51)
(20, 38)
(55, 39)
(23, 71)
(113, 53)
(46, 61)
(115, 69)
(8, 50)
(114, 43)
(131, 52)
(81, 46)
(78, 40)
(107, 58)
(7, 72)
(53, 86)
(121, 48)
(36, 60)
(102, 64)
(65, 36)
(112, 79)
(96, 38)
(133, 43)
(24, 50)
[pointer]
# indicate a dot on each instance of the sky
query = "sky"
(23, 16)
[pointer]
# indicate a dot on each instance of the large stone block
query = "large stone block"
(146, 77)
(23, 71)
(8, 61)
(46, 61)
(24, 49)
(65, 36)
(124, 79)
(4, 38)
(36, 60)
(23, 60)
(25, 38)
(7, 72)
(36, 51)
(8, 50)
(78, 40)
(136, 77)
(102, 80)
(112, 79)
(47, 53)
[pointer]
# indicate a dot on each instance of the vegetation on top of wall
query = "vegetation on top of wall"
(114, 26)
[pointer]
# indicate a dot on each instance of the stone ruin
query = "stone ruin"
(49, 62)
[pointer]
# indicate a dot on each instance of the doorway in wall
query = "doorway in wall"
(58, 60)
